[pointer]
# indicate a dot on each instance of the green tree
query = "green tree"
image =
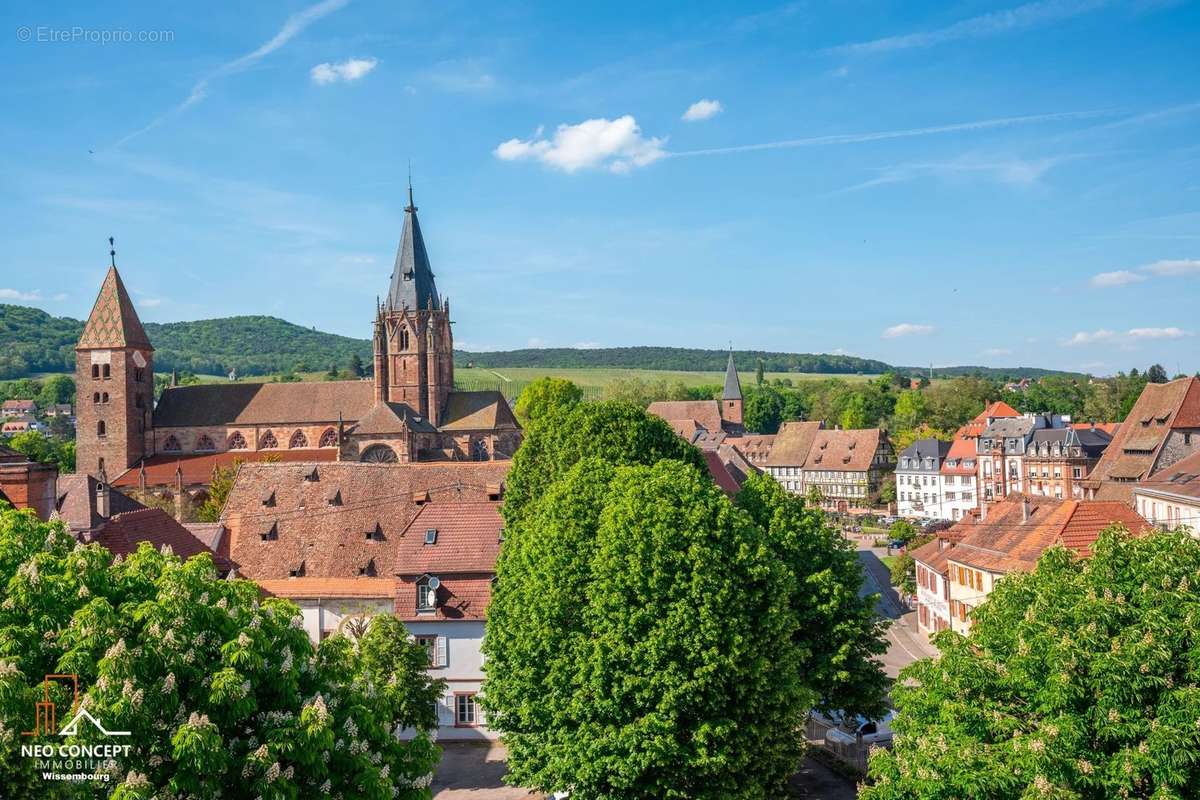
(218, 492)
(639, 642)
(904, 531)
(546, 396)
(763, 409)
(1156, 374)
(46, 449)
(1078, 680)
(56, 389)
(911, 409)
(619, 433)
(355, 365)
(758, 373)
(854, 413)
(223, 693)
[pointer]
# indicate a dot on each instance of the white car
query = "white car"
(861, 729)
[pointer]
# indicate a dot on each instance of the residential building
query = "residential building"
(27, 484)
(58, 410)
(1010, 535)
(847, 467)
(919, 479)
(1170, 498)
(931, 563)
(1001, 450)
(1058, 459)
(960, 494)
(18, 408)
(409, 411)
(20, 424)
(994, 411)
(1161, 429)
(347, 541)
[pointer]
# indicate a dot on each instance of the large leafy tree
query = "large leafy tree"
(223, 693)
(764, 409)
(640, 641)
(620, 433)
(546, 396)
(1078, 680)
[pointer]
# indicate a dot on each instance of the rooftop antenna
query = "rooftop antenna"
(112, 251)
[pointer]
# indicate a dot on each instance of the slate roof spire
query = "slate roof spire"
(113, 322)
(733, 387)
(412, 277)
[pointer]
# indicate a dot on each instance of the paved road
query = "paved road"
(906, 644)
(475, 771)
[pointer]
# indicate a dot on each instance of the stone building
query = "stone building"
(408, 412)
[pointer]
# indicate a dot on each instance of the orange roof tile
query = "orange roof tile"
(313, 588)
(198, 467)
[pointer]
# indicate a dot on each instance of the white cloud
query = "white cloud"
(617, 145)
(349, 70)
(997, 351)
(702, 109)
(1103, 335)
(1119, 277)
(292, 27)
(17, 294)
(907, 329)
(1025, 16)
(1176, 267)
(587, 345)
(536, 343)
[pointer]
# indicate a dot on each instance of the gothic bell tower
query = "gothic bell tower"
(414, 347)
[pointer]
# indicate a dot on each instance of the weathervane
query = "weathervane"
(411, 205)
(112, 251)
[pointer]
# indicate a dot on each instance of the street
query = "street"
(906, 644)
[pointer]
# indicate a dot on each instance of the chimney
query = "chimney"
(179, 491)
(142, 479)
(1024, 509)
(983, 511)
(102, 497)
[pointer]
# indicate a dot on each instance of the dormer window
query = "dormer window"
(312, 476)
(427, 589)
(368, 569)
(431, 536)
(297, 571)
(268, 498)
(271, 534)
(334, 498)
(375, 534)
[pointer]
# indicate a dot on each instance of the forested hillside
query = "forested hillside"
(672, 358)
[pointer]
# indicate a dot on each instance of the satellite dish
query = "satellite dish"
(434, 583)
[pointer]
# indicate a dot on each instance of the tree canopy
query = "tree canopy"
(1078, 680)
(223, 693)
(544, 397)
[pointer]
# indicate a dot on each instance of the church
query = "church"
(407, 412)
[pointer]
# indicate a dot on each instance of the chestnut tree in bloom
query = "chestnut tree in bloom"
(221, 690)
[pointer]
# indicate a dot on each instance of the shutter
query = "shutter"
(440, 657)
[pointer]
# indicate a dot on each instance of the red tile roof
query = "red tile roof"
(1110, 428)
(853, 451)
(198, 468)
(962, 449)
(1007, 540)
(76, 502)
(468, 539)
(705, 413)
(996, 410)
(720, 473)
(122, 534)
(323, 588)
(1181, 478)
(460, 597)
(1136, 447)
(792, 443)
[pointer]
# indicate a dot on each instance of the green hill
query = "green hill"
(32, 341)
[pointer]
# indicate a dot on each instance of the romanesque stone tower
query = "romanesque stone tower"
(414, 348)
(114, 384)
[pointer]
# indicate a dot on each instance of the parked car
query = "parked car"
(860, 729)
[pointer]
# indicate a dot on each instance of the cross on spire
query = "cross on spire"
(112, 251)
(411, 205)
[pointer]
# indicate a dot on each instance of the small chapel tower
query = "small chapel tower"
(114, 383)
(414, 347)
(731, 396)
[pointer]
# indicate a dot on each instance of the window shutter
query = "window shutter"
(441, 651)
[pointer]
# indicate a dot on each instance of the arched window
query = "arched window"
(205, 443)
(404, 338)
(105, 371)
(379, 454)
(95, 370)
(104, 397)
(237, 441)
(481, 451)
(171, 445)
(268, 442)
(329, 438)
(101, 428)
(298, 440)
(95, 397)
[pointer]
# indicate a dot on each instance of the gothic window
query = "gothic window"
(237, 441)
(104, 397)
(329, 438)
(101, 428)
(298, 440)
(105, 371)
(95, 397)
(404, 338)
(171, 445)
(205, 443)
(268, 442)
(95, 371)
(139, 374)
(379, 454)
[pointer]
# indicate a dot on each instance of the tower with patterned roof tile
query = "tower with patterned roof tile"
(114, 384)
(414, 348)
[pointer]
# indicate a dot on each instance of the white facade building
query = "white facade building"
(919, 492)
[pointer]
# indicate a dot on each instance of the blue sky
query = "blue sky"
(955, 183)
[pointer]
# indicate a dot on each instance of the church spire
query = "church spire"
(412, 277)
(733, 387)
(113, 322)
